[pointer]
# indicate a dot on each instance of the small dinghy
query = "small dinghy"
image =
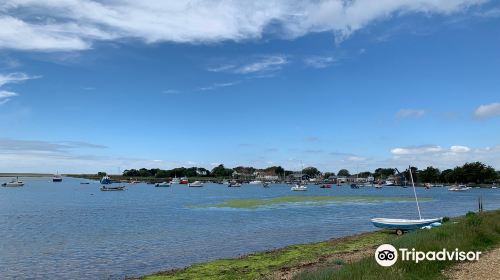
(196, 184)
(164, 184)
(401, 225)
(110, 189)
(299, 188)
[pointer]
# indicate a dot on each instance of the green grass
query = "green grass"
(474, 232)
(306, 200)
(261, 264)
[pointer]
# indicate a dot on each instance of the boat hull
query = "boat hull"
(403, 224)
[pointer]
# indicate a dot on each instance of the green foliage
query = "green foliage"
(383, 173)
(343, 173)
(221, 171)
(430, 174)
(328, 174)
(101, 174)
(475, 232)
(311, 171)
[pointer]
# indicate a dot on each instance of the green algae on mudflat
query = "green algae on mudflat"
(307, 200)
(259, 265)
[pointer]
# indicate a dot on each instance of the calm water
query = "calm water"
(72, 231)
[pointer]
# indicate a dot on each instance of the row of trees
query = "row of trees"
(476, 172)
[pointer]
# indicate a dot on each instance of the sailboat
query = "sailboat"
(13, 183)
(401, 225)
(57, 178)
(300, 187)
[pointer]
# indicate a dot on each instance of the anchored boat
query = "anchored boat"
(108, 189)
(13, 183)
(196, 184)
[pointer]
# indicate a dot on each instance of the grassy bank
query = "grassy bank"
(262, 265)
(474, 232)
(330, 259)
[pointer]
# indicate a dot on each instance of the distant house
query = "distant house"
(266, 175)
(342, 179)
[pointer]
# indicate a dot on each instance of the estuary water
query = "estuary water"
(73, 231)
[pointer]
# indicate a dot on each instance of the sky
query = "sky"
(88, 86)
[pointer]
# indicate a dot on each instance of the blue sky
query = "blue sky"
(89, 85)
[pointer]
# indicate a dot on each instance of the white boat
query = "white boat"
(389, 183)
(459, 188)
(13, 183)
(112, 189)
(163, 184)
(401, 225)
(57, 178)
(299, 188)
(195, 184)
(175, 180)
(234, 185)
(256, 182)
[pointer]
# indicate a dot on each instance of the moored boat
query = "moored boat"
(105, 180)
(13, 183)
(184, 181)
(459, 188)
(195, 184)
(326, 187)
(299, 188)
(234, 185)
(163, 184)
(57, 178)
(108, 189)
(255, 182)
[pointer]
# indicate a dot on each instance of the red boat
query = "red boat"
(184, 181)
(326, 187)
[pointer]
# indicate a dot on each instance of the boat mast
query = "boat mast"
(414, 192)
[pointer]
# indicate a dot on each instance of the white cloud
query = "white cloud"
(443, 158)
(11, 79)
(319, 61)
(218, 85)
(410, 113)
(271, 63)
(488, 110)
(459, 149)
(417, 150)
(74, 25)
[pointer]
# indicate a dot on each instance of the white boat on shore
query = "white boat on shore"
(402, 225)
(195, 184)
(13, 183)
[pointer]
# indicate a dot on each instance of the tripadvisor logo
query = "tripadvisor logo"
(387, 255)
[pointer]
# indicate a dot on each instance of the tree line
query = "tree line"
(474, 172)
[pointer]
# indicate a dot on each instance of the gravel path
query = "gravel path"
(487, 268)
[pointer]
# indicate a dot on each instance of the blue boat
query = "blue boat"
(106, 180)
(403, 224)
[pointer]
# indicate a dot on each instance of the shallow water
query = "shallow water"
(72, 231)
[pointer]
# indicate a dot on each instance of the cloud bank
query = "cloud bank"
(72, 25)
(487, 111)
